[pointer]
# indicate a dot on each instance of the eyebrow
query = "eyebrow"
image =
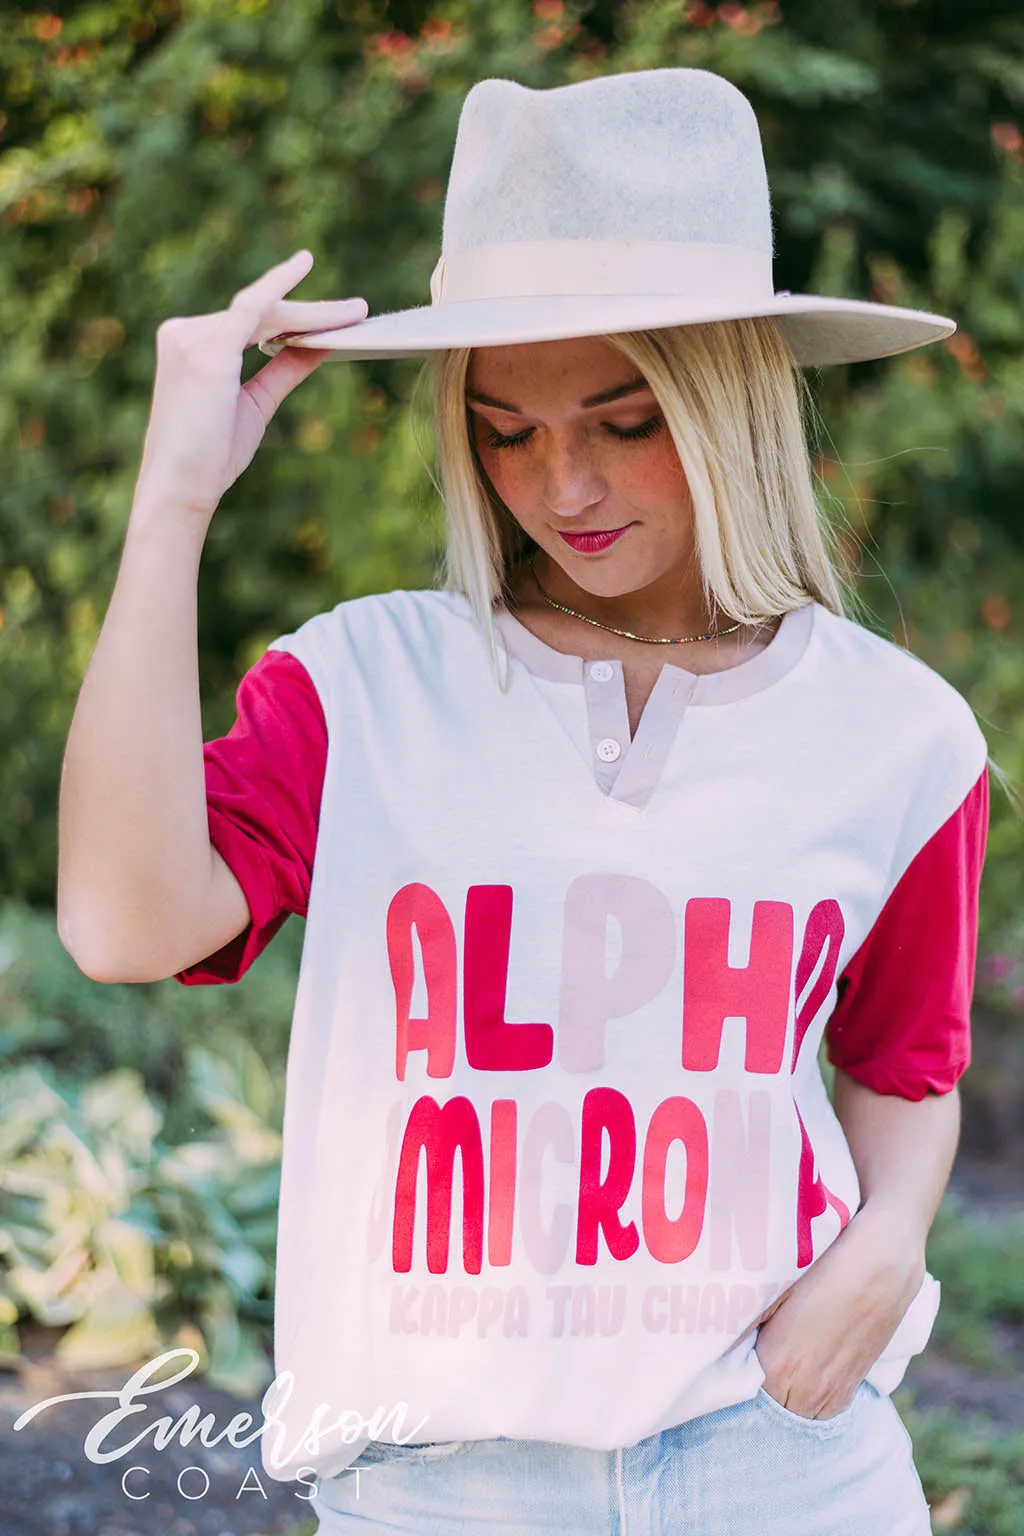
(631, 387)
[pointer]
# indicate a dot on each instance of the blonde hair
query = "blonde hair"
(732, 397)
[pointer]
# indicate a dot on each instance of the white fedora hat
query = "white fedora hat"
(628, 202)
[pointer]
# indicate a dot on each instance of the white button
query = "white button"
(608, 750)
(602, 671)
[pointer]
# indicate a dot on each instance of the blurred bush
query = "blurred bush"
(155, 155)
(140, 1143)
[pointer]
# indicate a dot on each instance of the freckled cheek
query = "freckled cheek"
(659, 480)
(653, 479)
(513, 482)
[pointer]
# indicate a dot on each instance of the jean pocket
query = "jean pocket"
(826, 1426)
(386, 1451)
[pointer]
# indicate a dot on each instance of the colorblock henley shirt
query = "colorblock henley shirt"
(555, 1128)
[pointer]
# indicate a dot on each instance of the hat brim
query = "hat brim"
(818, 330)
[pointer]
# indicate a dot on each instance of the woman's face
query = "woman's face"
(565, 468)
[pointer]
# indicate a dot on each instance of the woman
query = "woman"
(570, 1236)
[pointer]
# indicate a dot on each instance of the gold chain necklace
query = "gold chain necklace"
(625, 633)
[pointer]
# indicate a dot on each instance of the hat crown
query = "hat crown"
(651, 155)
(628, 202)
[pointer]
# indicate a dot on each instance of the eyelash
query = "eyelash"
(625, 434)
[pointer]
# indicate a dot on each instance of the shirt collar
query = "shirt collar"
(759, 671)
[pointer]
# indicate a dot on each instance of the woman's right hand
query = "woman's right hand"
(204, 424)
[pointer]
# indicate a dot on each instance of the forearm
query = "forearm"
(903, 1149)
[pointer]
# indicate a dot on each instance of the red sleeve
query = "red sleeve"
(264, 782)
(902, 1024)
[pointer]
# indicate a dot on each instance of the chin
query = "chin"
(606, 576)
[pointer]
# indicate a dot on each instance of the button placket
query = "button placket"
(608, 719)
(638, 769)
(659, 725)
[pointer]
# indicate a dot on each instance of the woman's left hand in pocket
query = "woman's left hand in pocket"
(818, 1341)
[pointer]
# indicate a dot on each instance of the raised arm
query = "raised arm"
(141, 892)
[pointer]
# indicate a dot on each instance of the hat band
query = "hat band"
(726, 274)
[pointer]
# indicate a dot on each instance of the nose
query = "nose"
(572, 479)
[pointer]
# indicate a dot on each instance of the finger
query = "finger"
(257, 297)
(280, 277)
(281, 375)
(304, 314)
(294, 319)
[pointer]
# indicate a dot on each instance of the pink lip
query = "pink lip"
(591, 542)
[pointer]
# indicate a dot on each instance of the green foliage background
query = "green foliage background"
(157, 154)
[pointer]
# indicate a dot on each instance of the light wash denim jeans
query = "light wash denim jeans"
(752, 1469)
